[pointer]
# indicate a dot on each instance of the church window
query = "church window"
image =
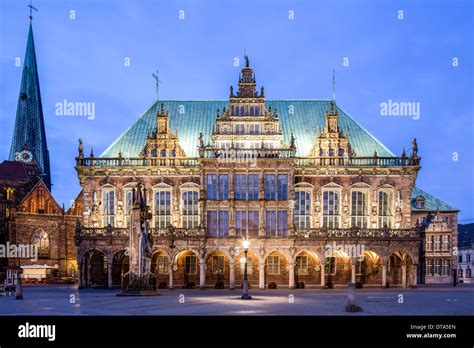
(40, 239)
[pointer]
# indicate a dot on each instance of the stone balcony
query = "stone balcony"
(122, 234)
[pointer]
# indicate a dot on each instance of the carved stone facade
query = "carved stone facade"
(323, 220)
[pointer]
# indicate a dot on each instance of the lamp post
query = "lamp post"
(245, 295)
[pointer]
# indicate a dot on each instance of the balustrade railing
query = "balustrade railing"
(340, 233)
(357, 161)
(137, 162)
(93, 233)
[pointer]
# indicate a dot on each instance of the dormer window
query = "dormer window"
(420, 202)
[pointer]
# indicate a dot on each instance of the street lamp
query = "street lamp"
(245, 295)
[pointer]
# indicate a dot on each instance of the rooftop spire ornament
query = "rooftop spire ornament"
(247, 63)
(157, 79)
(31, 10)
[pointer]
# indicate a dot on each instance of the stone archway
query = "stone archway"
(307, 269)
(337, 268)
(394, 269)
(186, 269)
(120, 266)
(160, 267)
(369, 269)
(217, 269)
(95, 269)
(252, 269)
(276, 269)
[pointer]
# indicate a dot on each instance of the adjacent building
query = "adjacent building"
(29, 214)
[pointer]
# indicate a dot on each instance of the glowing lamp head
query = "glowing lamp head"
(245, 244)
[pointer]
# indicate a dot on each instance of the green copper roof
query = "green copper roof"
(303, 117)
(29, 124)
(431, 203)
(189, 118)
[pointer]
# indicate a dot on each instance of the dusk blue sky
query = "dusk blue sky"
(409, 60)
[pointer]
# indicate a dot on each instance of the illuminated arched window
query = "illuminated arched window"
(41, 240)
(41, 202)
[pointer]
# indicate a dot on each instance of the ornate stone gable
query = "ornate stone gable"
(39, 201)
(332, 141)
(161, 141)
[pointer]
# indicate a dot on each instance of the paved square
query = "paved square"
(67, 300)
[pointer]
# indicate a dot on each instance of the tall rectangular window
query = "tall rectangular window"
(253, 186)
(223, 223)
(253, 224)
(128, 205)
(241, 223)
(223, 186)
(212, 223)
(240, 186)
(163, 264)
(430, 267)
(270, 223)
(301, 265)
(190, 206)
(162, 216)
(218, 264)
(302, 212)
(246, 223)
(331, 209)
(446, 267)
(385, 215)
(211, 186)
(359, 209)
(282, 187)
(437, 266)
(191, 264)
(217, 223)
(108, 200)
(282, 223)
(273, 264)
(239, 129)
(436, 243)
(270, 187)
(330, 265)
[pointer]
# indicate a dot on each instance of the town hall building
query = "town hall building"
(320, 200)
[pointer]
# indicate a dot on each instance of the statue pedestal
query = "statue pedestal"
(134, 285)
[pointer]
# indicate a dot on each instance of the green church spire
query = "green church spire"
(29, 130)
